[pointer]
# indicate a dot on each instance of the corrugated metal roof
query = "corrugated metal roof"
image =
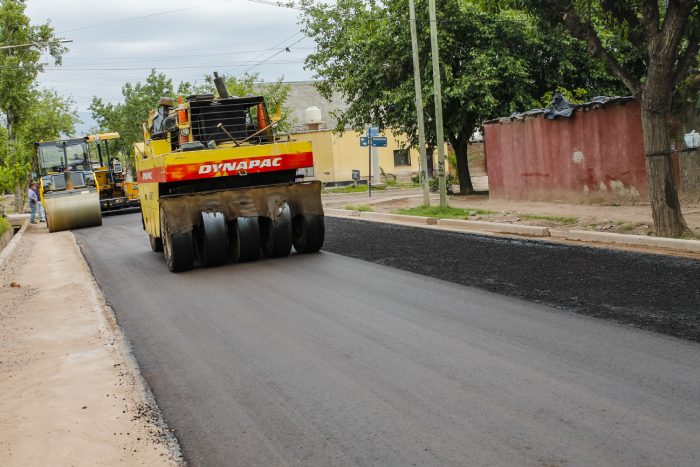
(594, 104)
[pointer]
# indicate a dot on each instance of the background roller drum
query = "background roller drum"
(178, 247)
(72, 211)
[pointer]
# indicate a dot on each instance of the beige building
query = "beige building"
(336, 156)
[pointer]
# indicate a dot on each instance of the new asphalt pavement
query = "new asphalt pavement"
(348, 357)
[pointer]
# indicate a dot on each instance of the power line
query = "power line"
(278, 4)
(285, 49)
(145, 16)
(72, 56)
(282, 62)
(29, 44)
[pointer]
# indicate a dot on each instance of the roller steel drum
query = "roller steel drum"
(72, 210)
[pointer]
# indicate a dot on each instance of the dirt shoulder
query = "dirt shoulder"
(71, 391)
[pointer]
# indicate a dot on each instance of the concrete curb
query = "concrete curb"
(528, 230)
(10, 248)
(624, 239)
(692, 246)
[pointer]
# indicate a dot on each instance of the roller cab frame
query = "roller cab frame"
(215, 186)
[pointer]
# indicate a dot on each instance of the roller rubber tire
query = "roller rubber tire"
(309, 233)
(156, 243)
(212, 239)
(177, 247)
(277, 234)
(245, 239)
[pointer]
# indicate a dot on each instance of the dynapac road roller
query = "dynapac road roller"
(215, 185)
(68, 188)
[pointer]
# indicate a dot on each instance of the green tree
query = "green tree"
(47, 117)
(19, 68)
(492, 63)
(650, 46)
(126, 117)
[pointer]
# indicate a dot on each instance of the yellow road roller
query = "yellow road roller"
(116, 193)
(216, 185)
(68, 187)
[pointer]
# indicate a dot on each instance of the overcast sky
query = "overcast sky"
(115, 42)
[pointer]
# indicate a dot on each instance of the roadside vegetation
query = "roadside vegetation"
(443, 213)
(352, 189)
(4, 226)
(558, 219)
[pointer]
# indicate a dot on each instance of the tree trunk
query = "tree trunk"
(663, 195)
(12, 146)
(465, 180)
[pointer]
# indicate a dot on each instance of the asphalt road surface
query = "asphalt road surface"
(330, 360)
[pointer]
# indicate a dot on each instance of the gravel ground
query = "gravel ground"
(653, 292)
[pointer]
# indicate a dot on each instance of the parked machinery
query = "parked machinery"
(115, 192)
(68, 188)
(215, 186)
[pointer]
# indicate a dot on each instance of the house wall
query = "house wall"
(335, 156)
(598, 155)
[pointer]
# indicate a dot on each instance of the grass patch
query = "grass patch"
(4, 226)
(359, 207)
(626, 227)
(559, 219)
(346, 189)
(442, 213)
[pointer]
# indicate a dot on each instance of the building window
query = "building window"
(401, 157)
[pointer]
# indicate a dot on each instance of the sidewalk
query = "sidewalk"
(72, 393)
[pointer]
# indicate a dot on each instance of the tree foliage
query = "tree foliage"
(48, 116)
(20, 102)
(127, 116)
(492, 63)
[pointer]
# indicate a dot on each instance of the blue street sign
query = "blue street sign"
(379, 142)
(364, 141)
(373, 131)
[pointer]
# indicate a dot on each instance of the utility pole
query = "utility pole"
(440, 143)
(419, 105)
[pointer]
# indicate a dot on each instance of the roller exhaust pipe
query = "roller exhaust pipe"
(220, 86)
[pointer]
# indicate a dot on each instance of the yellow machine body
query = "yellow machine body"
(213, 182)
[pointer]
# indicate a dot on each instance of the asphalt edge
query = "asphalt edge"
(12, 245)
(606, 238)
